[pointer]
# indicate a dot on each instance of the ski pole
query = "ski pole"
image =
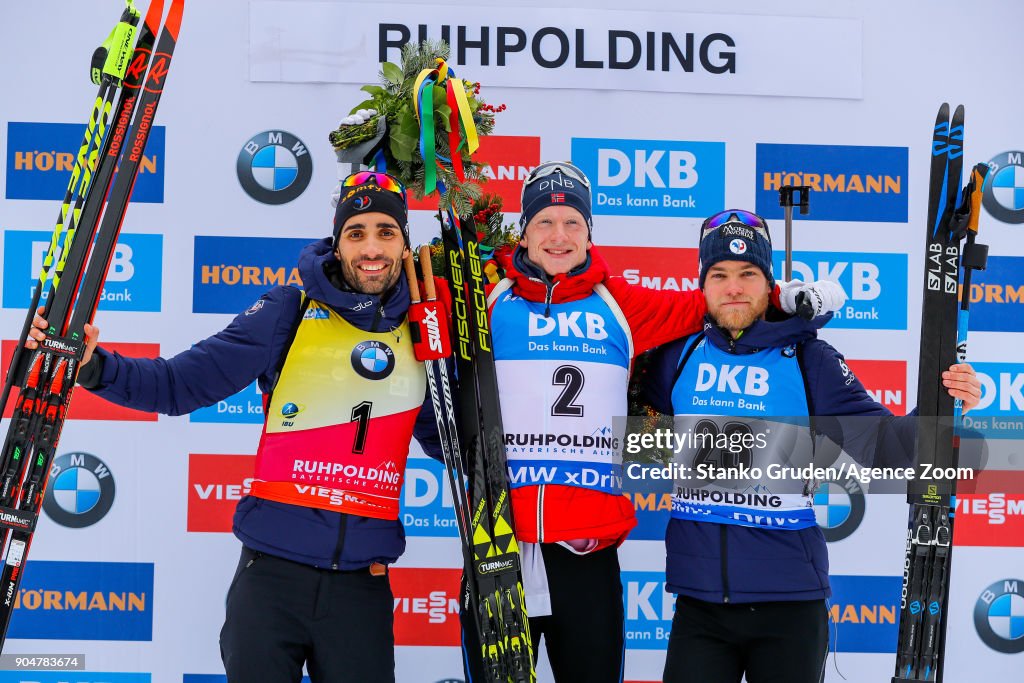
(802, 200)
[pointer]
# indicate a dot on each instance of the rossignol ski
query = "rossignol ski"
(46, 376)
(944, 317)
(494, 586)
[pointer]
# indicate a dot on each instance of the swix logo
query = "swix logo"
(426, 604)
(433, 329)
(849, 183)
(885, 381)
(506, 161)
(653, 177)
(569, 325)
(87, 405)
(215, 485)
(727, 379)
(875, 283)
(665, 268)
(257, 264)
(649, 610)
(41, 156)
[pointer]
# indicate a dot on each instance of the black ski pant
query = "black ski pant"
(772, 642)
(584, 634)
(281, 614)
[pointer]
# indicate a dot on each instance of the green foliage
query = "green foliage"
(393, 99)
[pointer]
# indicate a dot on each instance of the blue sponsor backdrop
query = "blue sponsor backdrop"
(876, 285)
(85, 601)
(848, 183)
(134, 277)
(245, 407)
(39, 165)
(865, 613)
(1000, 414)
(653, 177)
(72, 677)
(649, 610)
(426, 502)
(864, 609)
(997, 296)
(230, 273)
(652, 500)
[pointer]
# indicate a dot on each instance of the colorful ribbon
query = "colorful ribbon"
(423, 101)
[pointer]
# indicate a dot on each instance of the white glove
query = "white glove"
(336, 196)
(824, 296)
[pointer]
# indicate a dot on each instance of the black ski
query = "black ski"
(51, 370)
(921, 640)
(494, 582)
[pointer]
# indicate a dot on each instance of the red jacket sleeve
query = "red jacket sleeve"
(657, 317)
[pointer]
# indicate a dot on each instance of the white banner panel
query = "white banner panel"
(320, 42)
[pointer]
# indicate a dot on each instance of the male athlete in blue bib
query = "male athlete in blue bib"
(748, 562)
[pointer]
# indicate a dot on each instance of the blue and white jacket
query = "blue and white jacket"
(774, 369)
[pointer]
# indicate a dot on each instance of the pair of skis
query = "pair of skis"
(473, 447)
(944, 320)
(85, 235)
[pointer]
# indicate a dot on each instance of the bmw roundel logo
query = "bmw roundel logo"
(999, 616)
(839, 508)
(1004, 188)
(274, 167)
(738, 246)
(362, 203)
(81, 490)
(373, 359)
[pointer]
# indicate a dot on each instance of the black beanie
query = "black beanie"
(369, 198)
(554, 189)
(734, 240)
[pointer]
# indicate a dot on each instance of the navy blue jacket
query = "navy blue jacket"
(730, 563)
(251, 348)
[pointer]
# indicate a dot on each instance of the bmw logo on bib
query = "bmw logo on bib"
(373, 359)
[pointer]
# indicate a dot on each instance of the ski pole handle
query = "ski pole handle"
(410, 275)
(428, 273)
(979, 175)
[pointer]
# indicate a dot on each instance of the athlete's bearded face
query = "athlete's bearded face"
(371, 248)
(557, 239)
(737, 294)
